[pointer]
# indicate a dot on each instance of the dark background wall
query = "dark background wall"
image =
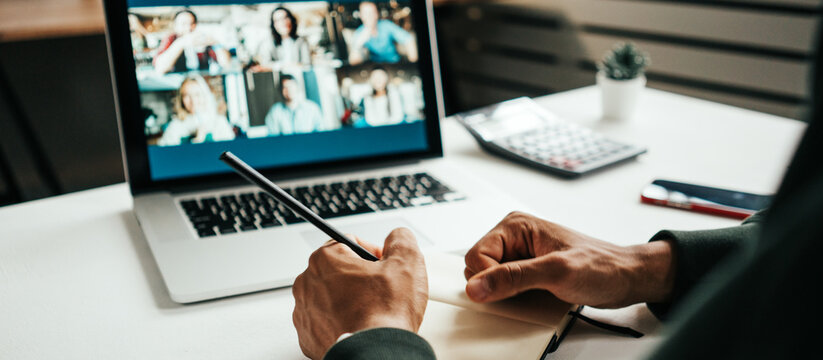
(58, 131)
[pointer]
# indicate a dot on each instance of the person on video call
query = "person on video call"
(196, 117)
(295, 114)
(138, 34)
(286, 48)
(377, 40)
(383, 106)
(742, 292)
(187, 49)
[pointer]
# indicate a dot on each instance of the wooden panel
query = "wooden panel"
(535, 74)
(563, 42)
(716, 51)
(768, 74)
(774, 30)
(793, 111)
(560, 77)
(782, 76)
(475, 94)
(812, 4)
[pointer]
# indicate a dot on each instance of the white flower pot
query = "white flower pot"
(619, 97)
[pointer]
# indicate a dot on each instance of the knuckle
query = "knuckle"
(319, 257)
(300, 284)
(474, 263)
(295, 318)
(314, 258)
(337, 249)
(517, 219)
(517, 216)
(514, 273)
(402, 232)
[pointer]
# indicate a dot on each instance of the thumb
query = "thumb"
(400, 243)
(504, 280)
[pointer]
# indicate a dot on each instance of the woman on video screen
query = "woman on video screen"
(383, 106)
(286, 47)
(196, 118)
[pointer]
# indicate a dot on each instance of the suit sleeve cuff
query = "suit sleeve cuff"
(696, 253)
(381, 343)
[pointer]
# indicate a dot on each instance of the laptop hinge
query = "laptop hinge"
(292, 175)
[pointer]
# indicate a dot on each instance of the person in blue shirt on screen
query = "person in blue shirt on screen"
(378, 40)
(295, 114)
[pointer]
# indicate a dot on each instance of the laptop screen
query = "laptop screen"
(277, 83)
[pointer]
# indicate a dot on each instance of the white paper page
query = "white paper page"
(447, 284)
(457, 333)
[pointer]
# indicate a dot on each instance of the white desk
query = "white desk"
(77, 280)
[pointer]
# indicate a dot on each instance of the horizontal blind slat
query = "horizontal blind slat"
(790, 32)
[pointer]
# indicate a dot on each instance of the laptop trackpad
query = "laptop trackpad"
(374, 232)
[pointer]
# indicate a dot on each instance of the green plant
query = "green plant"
(624, 62)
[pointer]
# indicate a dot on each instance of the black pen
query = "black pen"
(301, 210)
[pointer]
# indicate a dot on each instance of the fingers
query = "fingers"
(511, 239)
(333, 248)
(331, 255)
(490, 249)
(401, 242)
(486, 253)
(372, 248)
(468, 273)
(506, 280)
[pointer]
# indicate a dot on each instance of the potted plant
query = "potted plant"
(621, 78)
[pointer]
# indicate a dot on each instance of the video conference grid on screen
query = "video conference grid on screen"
(220, 73)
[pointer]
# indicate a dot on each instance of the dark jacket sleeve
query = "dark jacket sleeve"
(381, 343)
(696, 253)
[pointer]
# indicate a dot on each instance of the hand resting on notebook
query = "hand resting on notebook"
(525, 252)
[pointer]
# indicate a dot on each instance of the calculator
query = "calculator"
(523, 131)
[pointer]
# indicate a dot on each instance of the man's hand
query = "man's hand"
(524, 252)
(341, 293)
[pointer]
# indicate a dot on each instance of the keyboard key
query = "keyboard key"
(423, 200)
(206, 232)
(247, 227)
(227, 230)
(190, 205)
(267, 222)
(293, 220)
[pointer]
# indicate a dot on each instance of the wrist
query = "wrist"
(654, 271)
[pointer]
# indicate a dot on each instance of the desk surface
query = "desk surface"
(77, 279)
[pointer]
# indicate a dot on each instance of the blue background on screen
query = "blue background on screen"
(170, 162)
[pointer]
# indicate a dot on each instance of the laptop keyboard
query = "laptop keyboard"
(236, 212)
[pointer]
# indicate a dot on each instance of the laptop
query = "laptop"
(338, 102)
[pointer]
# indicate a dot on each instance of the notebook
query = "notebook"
(527, 326)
